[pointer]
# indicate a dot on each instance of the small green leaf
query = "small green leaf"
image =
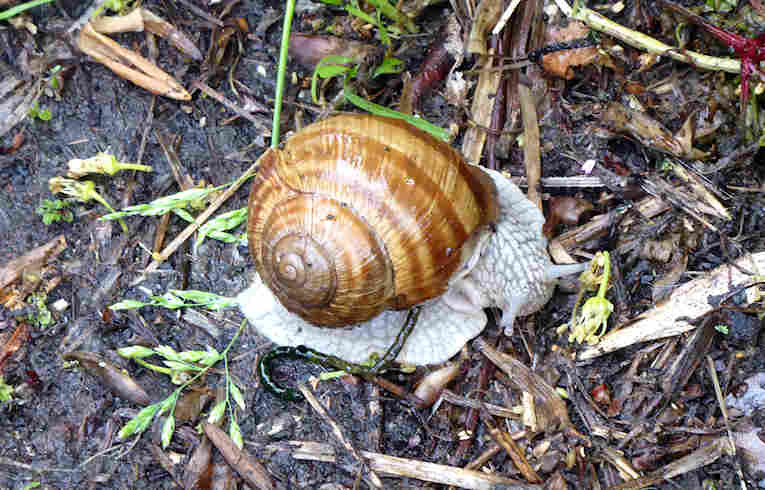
(167, 352)
(389, 66)
(211, 301)
(217, 226)
(135, 352)
(53, 211)
(167, 431)
(168, 403)
(211, 357)
(140, 422)
(127, 304)
(184, 215)
(379, 110)
(334, 66)
(237, 396)
(216, 414)
(6, 391)
(192, 355)
(235, 433)
(163, 204)
(45, 115)
(384, 37)
(355, 10)
(329, 66)
(180, 366)
(169, 300)
(195, 295)
(13, 11)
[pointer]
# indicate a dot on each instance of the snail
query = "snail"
(360, 218)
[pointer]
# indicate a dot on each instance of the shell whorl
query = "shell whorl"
(359, 214)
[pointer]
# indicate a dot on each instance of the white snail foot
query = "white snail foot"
(440, 333)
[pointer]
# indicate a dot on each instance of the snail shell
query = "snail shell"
(360, 217)
(361, 214)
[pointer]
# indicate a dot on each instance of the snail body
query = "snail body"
(360, 218)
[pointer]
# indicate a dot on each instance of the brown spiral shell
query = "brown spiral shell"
(359, 213)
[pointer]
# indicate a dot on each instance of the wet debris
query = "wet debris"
(249, 468)
(525, 379)
(33, 260)
(111, 376)
(636, 122)
(431, 386)
(11, 342)
(749, 397)
(142, 19)
(444, 53)
(22, 276)
(562, 63)
(677, 313)
(309, 50)
(129, 64)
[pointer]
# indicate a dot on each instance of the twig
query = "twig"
(707, 454)
(35, 258)
(29, 467)
(337, 431)
(532, 156)
(511, 448)
(525, 379)
(461, 401)
(724, 409)
(201, 13)
(259, 123)
(471, 420)
(402, 467)
(646, 43)
(599, 225)
(505, 17)
(248, 467)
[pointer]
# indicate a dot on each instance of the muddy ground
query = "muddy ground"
(59, 429)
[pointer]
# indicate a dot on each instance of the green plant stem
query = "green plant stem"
(236, 336)
(154, 367)
(394, 14)
(281, 73)
(231, 413)
(199, 373)
(646, 43)
(135, 166)
(7, 14)
(103, 201)
(606, 275)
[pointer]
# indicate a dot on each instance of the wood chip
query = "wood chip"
(35, 259)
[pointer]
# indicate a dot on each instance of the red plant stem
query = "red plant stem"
(735, 41)
(751, 51)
